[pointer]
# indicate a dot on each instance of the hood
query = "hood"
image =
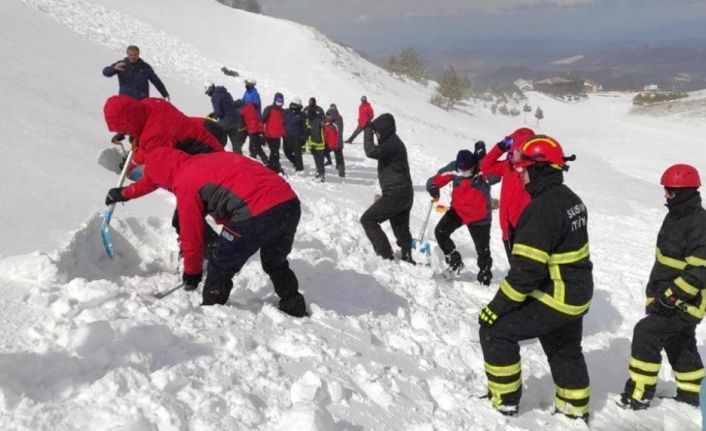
(384, 125)
(123, 114)
(162, 165)
(520, 136)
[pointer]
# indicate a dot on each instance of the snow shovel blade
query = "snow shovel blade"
(111, 159)
(105, 232)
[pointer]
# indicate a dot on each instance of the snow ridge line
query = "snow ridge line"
(116, 30)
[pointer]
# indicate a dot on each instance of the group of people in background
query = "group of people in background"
(544, 225)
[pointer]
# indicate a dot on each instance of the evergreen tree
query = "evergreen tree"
(538, 114)
(452, 89)
(407, 63)
(526, 109)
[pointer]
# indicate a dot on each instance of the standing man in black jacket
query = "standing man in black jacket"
(396, 184)
(295, 133)
(548, 289)
(134, 76)
(676, 297)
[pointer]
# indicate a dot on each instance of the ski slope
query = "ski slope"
(84, 345)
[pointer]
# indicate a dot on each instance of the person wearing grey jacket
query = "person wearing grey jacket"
(397, 198)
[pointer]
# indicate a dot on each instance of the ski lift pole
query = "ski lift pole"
(108, 214)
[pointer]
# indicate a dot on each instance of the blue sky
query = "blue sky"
(384, 25)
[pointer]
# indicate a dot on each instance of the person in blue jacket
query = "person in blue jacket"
(251, 95)
(134, 76)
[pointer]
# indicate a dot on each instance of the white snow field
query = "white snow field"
(85, 346)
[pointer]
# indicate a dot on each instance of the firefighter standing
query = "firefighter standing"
(676, 297)
(547, 290)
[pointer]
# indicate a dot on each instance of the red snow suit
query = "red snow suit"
(331, 136)
(513, 196)
(251, 118)
(227, 186)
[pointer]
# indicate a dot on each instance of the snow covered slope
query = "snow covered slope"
(84, 344)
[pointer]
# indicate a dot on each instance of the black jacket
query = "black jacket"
(550, 257)
(295, 123)
(680, 265)
(391, 154)
(134, 80)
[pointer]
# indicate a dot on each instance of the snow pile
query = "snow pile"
(85, 345)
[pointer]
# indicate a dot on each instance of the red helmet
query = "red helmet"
(520, 136)
(539, 148)
(681, 176)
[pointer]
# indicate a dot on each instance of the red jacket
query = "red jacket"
(470, 197)
(365, 114)
(513, 196)
(251, 117)
(156, 123)
(331, 136)
(273, 122)
(227, 186)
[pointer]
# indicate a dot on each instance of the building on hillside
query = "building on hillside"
(651, 88)
(523, 84)
(591, 87)
(558, 86)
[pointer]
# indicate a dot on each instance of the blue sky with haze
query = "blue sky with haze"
(387, 25)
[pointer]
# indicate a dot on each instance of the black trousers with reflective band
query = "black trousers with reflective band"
(560, 336)
(676, 335)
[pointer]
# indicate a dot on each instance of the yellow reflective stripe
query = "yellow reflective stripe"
(691, 375)
(503, 371)
(504, 388)
(649, 301)
(651, 367)
(530, 253)
(573, 394)
(639, 391)
(570, 409)
(641, 378)
(549, 301)
(698, 312)
(569, 257)
(670, 261)
(695, 261)
(689, 387)
(686, 287)
(559, 286)
(511, 293)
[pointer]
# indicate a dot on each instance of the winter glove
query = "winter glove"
(114, 196)
(506, 143)
(117, 139)
(434, 192)
(191, 281)
(487, 317)
(663, 305)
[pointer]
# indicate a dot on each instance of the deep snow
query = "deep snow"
(85, 346)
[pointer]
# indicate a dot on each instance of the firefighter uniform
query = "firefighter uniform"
(677, 280)
(545, 295)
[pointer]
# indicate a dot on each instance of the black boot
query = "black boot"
(216, 293)
(294, 305)
(454, 261)
(628, 402)
(407, 257)
(484, 276)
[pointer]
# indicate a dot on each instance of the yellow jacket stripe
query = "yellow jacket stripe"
(670, 261)
(530, 253)
(689, 387)
(686, 287)
(695, 261)
(511, 293)
(557, 300)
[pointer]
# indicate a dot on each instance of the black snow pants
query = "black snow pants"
(480, 233)
(676, 335)
(271, 232)
(560, 336)
(293, 151)
(395, 208)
